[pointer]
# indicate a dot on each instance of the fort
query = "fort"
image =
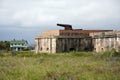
(69, 39)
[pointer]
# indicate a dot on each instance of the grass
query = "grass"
(62, 66)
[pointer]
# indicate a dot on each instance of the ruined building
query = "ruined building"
(69, 39)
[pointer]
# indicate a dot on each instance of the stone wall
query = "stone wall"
(62, 44)
(73, 44)
(106, 41)
(73, 33)
(50, 33)
(54, 41)
(45, 45)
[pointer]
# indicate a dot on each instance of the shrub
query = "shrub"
(25, 53)
(111, 53)
(81, 53)
(4, 53)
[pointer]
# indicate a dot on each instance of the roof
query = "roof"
(18, 41)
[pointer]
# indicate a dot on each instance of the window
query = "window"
(72, 49)
(94, 49)
(102, 49)
(117, 39)
(41, 49)
(47, 49)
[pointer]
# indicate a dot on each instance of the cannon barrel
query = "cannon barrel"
(66, 26)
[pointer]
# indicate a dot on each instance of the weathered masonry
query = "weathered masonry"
(104, 41)
(69, 39)
(53, 44)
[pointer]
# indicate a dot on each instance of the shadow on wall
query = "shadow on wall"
(72, 49)
(84, 49)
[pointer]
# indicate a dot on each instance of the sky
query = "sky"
(24, 19)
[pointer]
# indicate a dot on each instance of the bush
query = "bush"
(115, 53)
(111, 53)
(4, 53)
(81, 53)
(14, 53)
(25, 53)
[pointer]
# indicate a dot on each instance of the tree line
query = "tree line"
(4, 45)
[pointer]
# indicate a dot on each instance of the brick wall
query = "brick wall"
(50, 33)
(69, 32)
(72, 33)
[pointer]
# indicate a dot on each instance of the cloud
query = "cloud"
(49, 12)
(27, 18)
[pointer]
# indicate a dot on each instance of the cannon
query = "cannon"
(66, 26)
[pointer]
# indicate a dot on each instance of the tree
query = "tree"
(4, 45)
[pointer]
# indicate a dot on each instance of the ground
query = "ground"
(62, 66)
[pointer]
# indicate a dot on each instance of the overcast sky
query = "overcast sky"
(23, 19)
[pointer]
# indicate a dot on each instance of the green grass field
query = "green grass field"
(62, 66)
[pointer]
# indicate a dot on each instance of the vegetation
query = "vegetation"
(27, 65)
(4, 45)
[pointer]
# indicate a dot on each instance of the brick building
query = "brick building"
(69, 39)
